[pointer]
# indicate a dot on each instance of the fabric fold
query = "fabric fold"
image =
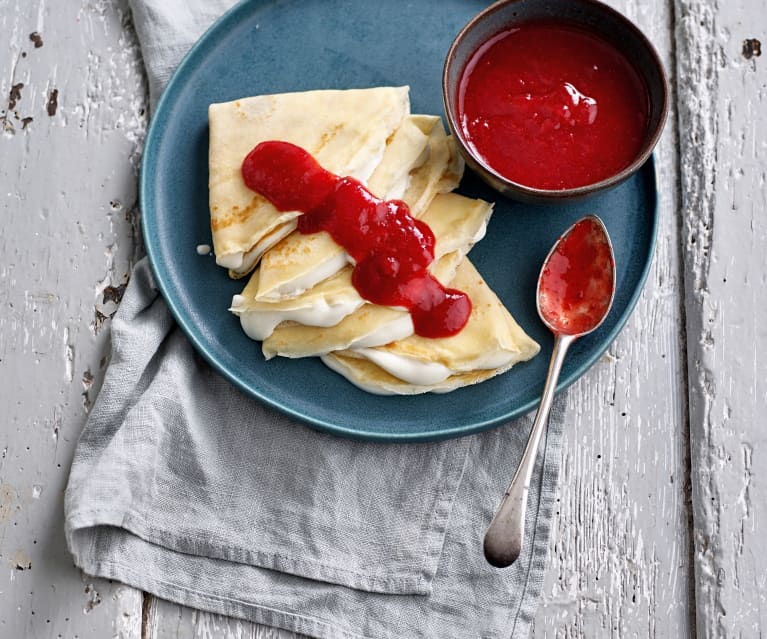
(468, 597)
(186, 461)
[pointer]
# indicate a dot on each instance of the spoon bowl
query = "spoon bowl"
(575, 292)
(576, 285)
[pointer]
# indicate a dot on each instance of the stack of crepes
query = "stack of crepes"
(299, 300)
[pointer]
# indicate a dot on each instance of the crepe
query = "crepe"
(370, 325)
(300, 300)
(426, 166)
(490, 344)
(457, 222)
(407, 150)
(345, 130)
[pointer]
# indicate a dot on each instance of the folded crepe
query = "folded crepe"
(415, 168)
(457, 222)
(490, 344)
(345, 130)
(369, 325)
(300, 300)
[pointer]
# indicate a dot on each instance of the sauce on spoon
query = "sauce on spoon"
(577, 280)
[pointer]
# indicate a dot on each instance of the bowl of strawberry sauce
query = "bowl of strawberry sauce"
(554, 100)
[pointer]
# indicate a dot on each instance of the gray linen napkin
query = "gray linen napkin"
(186, 488)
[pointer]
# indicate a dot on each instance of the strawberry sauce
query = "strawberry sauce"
(391, 249)
(578, 280)
(551, 105)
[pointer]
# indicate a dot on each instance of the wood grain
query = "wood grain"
(724, 203)
(70, 135)
(620, 563)
(170, 621)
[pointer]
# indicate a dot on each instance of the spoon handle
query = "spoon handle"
(503, 539)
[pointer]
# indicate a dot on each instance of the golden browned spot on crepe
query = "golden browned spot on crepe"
(237, 215)
(327, 137)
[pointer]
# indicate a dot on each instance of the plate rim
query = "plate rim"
(648, 172)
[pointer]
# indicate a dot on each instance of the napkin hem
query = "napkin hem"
(394, 584)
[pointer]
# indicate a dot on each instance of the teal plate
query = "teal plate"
(279, 46)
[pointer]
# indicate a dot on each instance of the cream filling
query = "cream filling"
(408, 369)
(480, 234)
(296, 287)
(259, 325)
(367, 167)
(399, 188)
(244, 262)
(423, 373)
(232, 261)
(391, 332)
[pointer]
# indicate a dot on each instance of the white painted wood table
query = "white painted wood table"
(663, 509)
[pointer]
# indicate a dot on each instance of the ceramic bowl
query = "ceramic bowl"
(590, 14)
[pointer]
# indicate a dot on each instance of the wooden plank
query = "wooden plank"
(71, 121)
(620, 561)
(723, 143)
(168, 620)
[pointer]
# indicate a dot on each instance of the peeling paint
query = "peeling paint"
(53, 102)
(93, 599)
(69, 356)
(87, 381)
(98, 320)
(20, 561)
(14, 96)
(7, 497)
(751, 47)
(114, 293)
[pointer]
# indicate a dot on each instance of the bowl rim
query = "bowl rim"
(534, 193)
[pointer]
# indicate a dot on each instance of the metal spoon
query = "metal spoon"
(576, 287)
